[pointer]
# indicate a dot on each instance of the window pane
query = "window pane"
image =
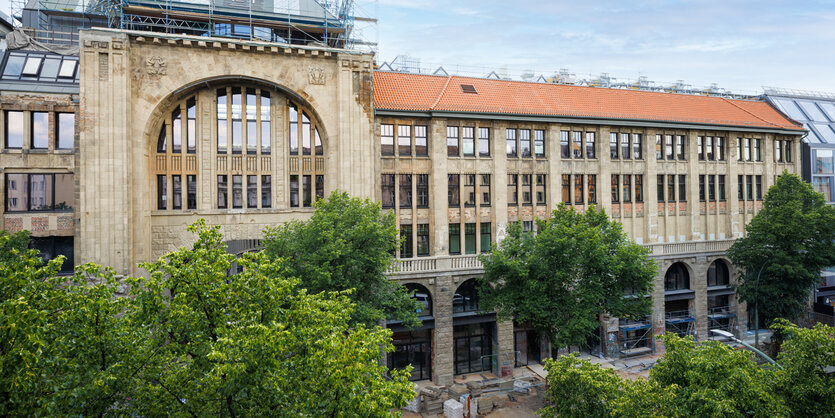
(405, 190)
(469, 189)
(405, 241)
(423, 190)
(577, 145)
(14, 129)
(222, 192)
(221, 121)
(578, 189)
(404, 140)
(590, 145)
(176, 192)
(191, 126)
(33, 64)
(484, 142)
(40, 130)
(307, 195)
(14, 65)
(320, 186)
(67, 68)
(639, 188)
(540, 189)
(469, 238)
(423, 239)
(624, 146)
(294, 130)
(387, 189)
(387, 139)
(294, 191)
(613, 146)
(821, 185)
(176, 131)
(191, 190)
(680, 147)
(266, 119)
(162, 192)
(66, 130)
(421, 142)
(318, 149)
(659, 152)
(525, 142)
(485, 237)
(615, 188)
(455, 238)
(566, 188)
(452, 190)
(539, 143)
(592, 183)
(40, 192)
(266, 192)
(512, 190)
(305, 134)
(468, 141)
(237, 192)
(627, 187)
(17, 192)
(252, 191)
(564, 147)
(452, 140)
(668, 139)
(637, 145)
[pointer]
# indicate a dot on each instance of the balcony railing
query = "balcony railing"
(471, 262)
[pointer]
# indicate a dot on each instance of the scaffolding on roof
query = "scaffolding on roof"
(323, 22)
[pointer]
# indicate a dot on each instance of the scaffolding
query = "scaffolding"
(681, 323)
(635, 337)
(721, 318)
(300, 22)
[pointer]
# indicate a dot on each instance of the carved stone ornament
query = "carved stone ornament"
(156, 65)
(316, 75)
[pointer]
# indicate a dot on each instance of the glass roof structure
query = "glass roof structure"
(815, 110)
(40, 67)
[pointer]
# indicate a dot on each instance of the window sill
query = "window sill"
(12, 151)
(35, 212)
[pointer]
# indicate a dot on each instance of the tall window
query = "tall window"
(680, 148)
(251, 122)
(484, 142)
(404, 140)
(405, 241)
(671, 187)
(749, 187)
(525, 142)
(577, 145)
(677, 278)
(759, 182)
(222, 190)
(455, 238)
(266, 191)
(468, 141)
(13, 129)
(564, 147)
(177, 192)
(422, 240)
(540, 189)
(423, 190)
(778, 150)
(700, 147)
(701, 187)
(539, 143)
(721, 187)
(717, 274)
(453, 191)
(421, 141)
(592, 188)
(711, 188)
(40, 192)
(469, 190)
(191, 192)
(386, 139)
(668, 140)
(320, 186)
(237, 192)
(252, 191)
(747, 150)
(40, 130)
(639, 188)
(659, 147)
(469, 238)
(452, 140)
(526, 189)
(615, 188)
(484, 190)
(624, 146)
(566, 188)
(307, 192)
(511, 143)
(305, 134)
(237, 122)
(387, 186)
(682, 188)
(294, 131)
(709, 148)
(590, 145)
(740, 188)
(637, 146)
(512, 190)
(720, 148)
(758, 149)
(294, 191)
(613, 146)
(66, 130)
(486, 237)
(266, 134)
(405, 190)
(627, 189)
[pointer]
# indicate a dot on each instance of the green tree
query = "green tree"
(347, 244)
(560, 280)
(805, 355)
(253, 343)
(786, 244)
(63, 343)
(190, 341)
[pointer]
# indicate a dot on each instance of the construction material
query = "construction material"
(453, 409)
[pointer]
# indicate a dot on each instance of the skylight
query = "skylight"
(468, 88)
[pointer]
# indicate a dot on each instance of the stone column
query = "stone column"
(505, 354)
(439, 184)
(443, 371)
(698, 282)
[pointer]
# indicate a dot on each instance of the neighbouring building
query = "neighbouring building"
(110, 152)
(816, 111)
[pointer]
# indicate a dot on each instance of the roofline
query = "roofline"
(583, 121)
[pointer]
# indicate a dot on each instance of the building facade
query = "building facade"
(171, 128)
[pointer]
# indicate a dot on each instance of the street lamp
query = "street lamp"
(727, 334)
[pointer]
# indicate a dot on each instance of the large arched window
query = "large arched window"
(465, 298)
(423, 296)
(254, 133)
(677, 277)
(717, 274)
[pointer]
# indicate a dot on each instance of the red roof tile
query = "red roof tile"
(416, 92)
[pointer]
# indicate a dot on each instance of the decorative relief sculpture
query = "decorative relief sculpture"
(316, 75)
(156, 65)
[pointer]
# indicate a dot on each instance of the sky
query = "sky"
(741, 45)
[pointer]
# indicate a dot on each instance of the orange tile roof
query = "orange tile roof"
(417, 92)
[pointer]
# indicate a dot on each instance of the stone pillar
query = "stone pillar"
(499, 152)
(658, 324)
(698, 282)
(440, 185)
(505, 354)
(443, 350)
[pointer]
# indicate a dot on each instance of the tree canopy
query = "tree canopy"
(707, 379)
(189, 341)
(347, 244)
(790, 240)
(559, 280)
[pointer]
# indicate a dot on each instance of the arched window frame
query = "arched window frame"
(677, 277)
(718, 274)
(466, 297)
